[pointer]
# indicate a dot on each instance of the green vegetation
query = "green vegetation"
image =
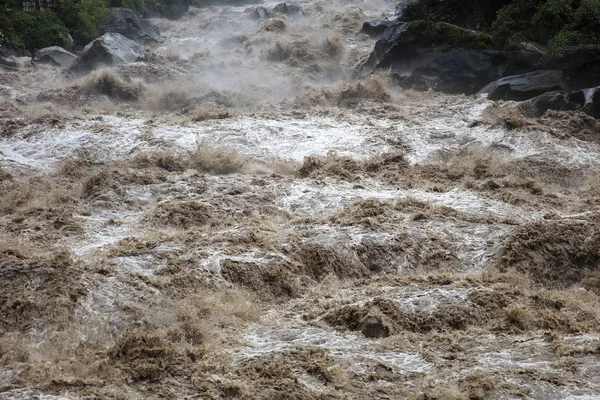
(30, 31)
(452, 36)
(81, 19)
(558, 24)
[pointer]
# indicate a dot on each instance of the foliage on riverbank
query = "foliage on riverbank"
(558, 24)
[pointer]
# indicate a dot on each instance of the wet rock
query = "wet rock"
(526, 86)
(129, 24)
(259, 13)
(174, 9)
(7, 62)
(108, 50)
(373, 328)
(288, 8)
(69, 42)
(55, 56)
(377, 28)
(587, 100)
(446, 57)
(537, 106)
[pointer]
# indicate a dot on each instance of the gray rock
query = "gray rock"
(526, 86)
(259, 14)
(288, 8)
(537, 106)
(55, 56)
(108, 50)
(129, 24)
(587, 100)
(377, 28)
(422, 54)
(69, 43)
(373, 328)
(7, 62)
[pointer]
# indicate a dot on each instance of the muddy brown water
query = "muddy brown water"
(238, 218)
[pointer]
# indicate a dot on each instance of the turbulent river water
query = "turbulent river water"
(239, 217)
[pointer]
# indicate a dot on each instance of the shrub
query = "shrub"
(477, 14)
(83, 18)
(32, 31)
(559, 24)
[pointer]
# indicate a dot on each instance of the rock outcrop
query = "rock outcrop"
(526, 86)
(55, 56)
(108, 50)
(127, 23)
(444, 56)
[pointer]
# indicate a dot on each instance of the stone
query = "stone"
(526, 86)
(108, 50)
(443, 56)
(55, 56)
(127, 23)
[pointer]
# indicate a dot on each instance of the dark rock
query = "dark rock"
(288, 8)
(587, 100)
(537, 106)
(443, 56)
(526, 86)
(259, 14)
(7, 62)
(108, 50)
(55, 56)
(174, 9)
(377, 28)
(129, 24)
(373, 328)
(69, 43)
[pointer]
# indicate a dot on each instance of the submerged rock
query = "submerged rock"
(586, 100)
(259, 13)
(373, 328)
(108, 50)
(288, 8)
(444, 56)
(7, 62)
(537, 106)
(129, 24)
(55, 56)
(526, 86)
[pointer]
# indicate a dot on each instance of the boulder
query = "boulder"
(55, 56)
(288, 8)
(259, 14)
(373, 328)
(108, 50)
(174, 9)
(377, 28)
(537, 106)
(443, 56)
(526, 86)
(7, 62)
(127, 23)
(586, 100)
(69, 42)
